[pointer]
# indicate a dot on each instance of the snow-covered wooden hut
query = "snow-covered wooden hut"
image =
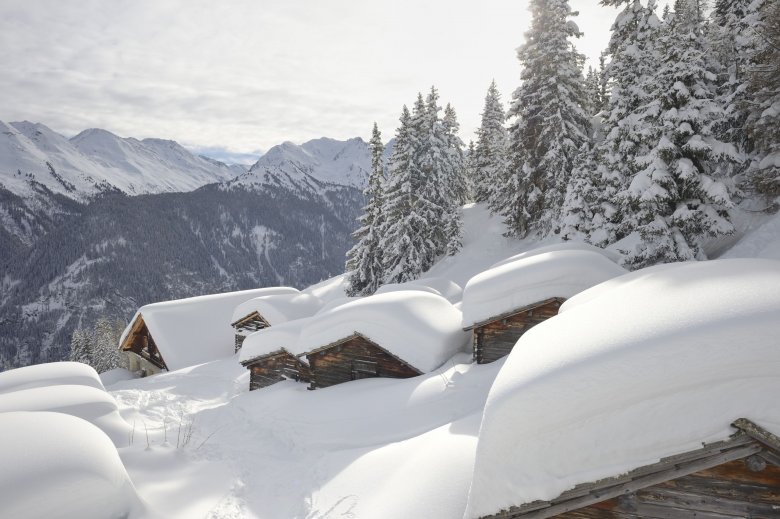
(272, 355)
(175, 334)
(274, 307)
(652, 395)
(505, 301)
(397, 335)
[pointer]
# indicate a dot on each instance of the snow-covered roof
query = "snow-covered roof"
(663, 361)
(567, 245)
(247, 307)
(421, 328)
(55, 465)
(520, 283)
(197, 329)
(279, 308)
(51, 374)
(272, 339)
(329, 289)
(91, 404)
(449, 290)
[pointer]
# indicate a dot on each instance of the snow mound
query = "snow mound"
(280, 308)
(662, 362)
(421, 328)
(329, 289)
(763, 242)
(272, 339)
(93, 405)
(197, 329)
(449, 290)
(247, 307)
(400, 287)
(514, 285)
(50, 374)
(611, 255)
(56, 465)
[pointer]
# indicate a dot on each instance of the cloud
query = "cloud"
(244, 75)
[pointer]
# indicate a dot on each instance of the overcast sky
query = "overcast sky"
(239, 76)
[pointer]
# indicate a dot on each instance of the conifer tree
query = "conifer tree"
(490, 161)
(550, 124)
(634, 59)
(763, 118)
(81, 347)
(594, 103)
(364, 260)
(676, 199)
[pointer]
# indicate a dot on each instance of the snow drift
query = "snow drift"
(93, 405)
(664, 360)
(273, 339)
(55, 465)
(50, 374)
(280, 308)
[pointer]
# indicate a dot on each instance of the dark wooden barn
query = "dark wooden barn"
(247, 324)
(143, 352)
(274, 367)
(352, 358)
(495, 337)
(735, 478)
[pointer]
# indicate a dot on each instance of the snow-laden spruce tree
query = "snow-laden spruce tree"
(549, 122)
(594, 103)
(676, 200)
(763, 120)
(456, 160)
(364, 260)
(105, 354)
(583, 202)
(81, 347)
(406, 247)
(490, 152)
(735, 41)
(634, 60)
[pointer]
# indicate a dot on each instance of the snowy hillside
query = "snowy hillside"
(96, 161)
(308, 166)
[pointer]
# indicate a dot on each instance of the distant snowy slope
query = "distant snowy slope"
(319, 161)
(96, 160)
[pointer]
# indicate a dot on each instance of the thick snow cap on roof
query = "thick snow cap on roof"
(272, 339)
(421, 328)
(197, 329)
(51, 374)
(279, 308)
(611, 255)
(662, 362)
(517, 284)
(329, 289)
(93, 405)
(442, 287)
(55, 465)
(247, 307)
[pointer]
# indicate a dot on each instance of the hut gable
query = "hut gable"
(504, 302)
(271, 309)
(496, 337)
(271, 355)
(402, 333)
(637, 380)
(738, 477)
(353, 358)
(175, 334)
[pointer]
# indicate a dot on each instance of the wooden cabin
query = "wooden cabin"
(280, 365)
(495, 337)
(142, 352)
(738, 477)
(248, 324)
(277, 305)
(352, 358)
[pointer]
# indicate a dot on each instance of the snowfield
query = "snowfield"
(693, 345)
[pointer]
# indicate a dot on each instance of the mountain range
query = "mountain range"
(97, 225)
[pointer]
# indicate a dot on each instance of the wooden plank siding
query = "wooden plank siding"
(729, 490)
(140, 342)
(353, 358)
(496, 338)
(723, 480)
(274, 368)
(246, 325)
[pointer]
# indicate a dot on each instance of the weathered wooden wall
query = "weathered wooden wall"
(239, 341)
(140, 342)
(353, 359)
(275, 368)
(496, 339)
(727, 491)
